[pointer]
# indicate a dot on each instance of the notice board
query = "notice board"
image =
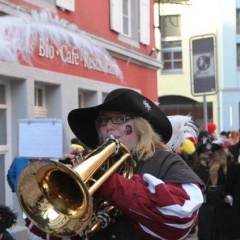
(42, 138)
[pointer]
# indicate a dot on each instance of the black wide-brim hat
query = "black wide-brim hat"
(82, 120)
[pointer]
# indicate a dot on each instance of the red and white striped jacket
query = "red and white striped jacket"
(161, 201)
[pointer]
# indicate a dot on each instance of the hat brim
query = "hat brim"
(82, 120)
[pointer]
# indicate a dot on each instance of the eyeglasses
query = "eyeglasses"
(102, 121)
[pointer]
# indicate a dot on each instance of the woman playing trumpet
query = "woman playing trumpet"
(162, 198)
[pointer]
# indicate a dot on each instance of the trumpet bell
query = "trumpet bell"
(55, 198)
(60, 200)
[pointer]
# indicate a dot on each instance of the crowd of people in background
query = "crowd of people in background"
(216, 160)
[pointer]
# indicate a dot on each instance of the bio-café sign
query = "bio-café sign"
(72, 56)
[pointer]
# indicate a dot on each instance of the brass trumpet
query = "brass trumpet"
(60, 200)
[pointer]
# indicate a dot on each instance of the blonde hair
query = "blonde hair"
(148, 141)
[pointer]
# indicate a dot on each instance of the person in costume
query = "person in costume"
(233, 137)
(212, 130)
(15, 170)
(162, 198)
(188, 152)
(211, 165)
(233, 188)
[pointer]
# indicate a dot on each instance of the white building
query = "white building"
(179, 23)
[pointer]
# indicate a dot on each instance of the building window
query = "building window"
(171, 26)
(238, 55)
(171, 42)
(3, 115)
(80, 100)
(126, 15)
(2, 179)
(238, 32)
(2, 94)
(39, 96)
(172, 55)
(131, 18)
(40, 101)
(238, 21)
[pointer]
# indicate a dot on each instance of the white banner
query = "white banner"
(42, 138)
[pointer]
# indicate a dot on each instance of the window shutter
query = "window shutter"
(116, 22)
(145, 22)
